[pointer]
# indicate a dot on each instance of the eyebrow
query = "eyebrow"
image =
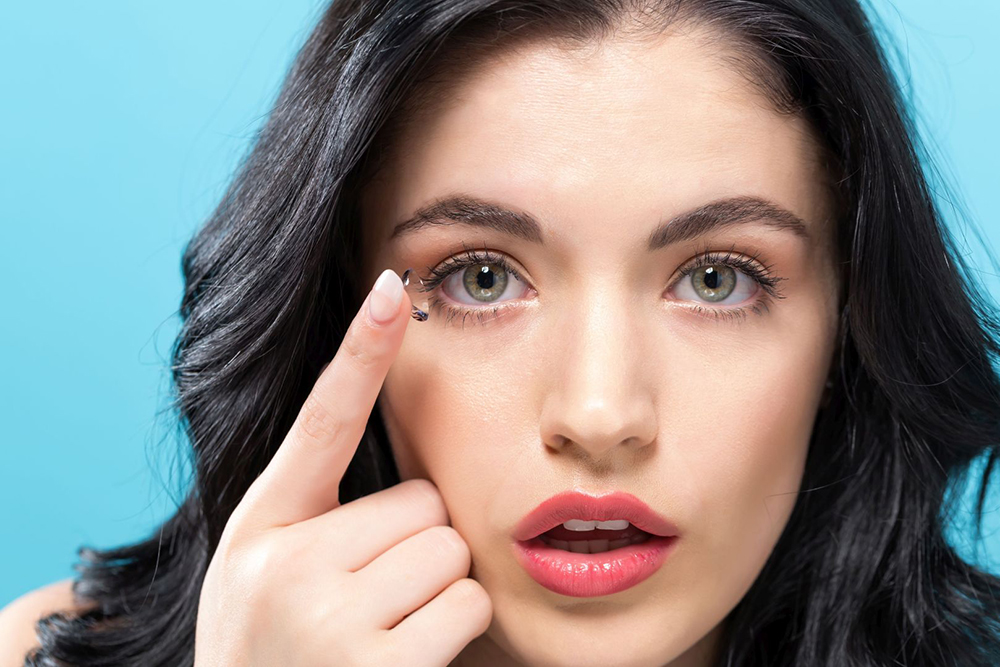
(721, 213)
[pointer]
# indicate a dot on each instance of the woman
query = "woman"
(683, 277)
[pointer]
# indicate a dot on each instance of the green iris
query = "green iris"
(484, 282)
(715, 282)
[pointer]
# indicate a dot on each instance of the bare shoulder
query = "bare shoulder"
(17, 619)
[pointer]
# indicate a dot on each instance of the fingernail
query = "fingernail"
(386, 297)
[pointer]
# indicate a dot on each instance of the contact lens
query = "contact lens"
(413, 285)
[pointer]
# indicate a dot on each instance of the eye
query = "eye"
(720, 279)
(472, 282)
(715, 283)
(482, 283)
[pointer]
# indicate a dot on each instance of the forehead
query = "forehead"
(624, 129)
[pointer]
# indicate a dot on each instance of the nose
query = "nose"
(599, 405)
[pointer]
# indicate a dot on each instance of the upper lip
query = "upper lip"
(578, 505)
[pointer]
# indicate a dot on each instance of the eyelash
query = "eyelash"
(752, 267)
(443, 271)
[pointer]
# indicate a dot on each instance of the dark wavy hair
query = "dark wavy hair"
(861, 575)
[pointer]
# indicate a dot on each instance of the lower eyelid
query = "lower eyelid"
(482, 314)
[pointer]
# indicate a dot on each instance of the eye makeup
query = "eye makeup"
(719, 274)
(707, 263)
(494, 273)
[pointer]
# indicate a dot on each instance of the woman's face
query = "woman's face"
(600, 366)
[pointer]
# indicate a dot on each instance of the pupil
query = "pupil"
(711, 278)
(484, 282)
(485, 278)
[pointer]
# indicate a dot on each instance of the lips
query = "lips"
(578, 505)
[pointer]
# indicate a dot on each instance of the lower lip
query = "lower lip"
(590, 575)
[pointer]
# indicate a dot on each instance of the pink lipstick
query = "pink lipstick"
(554, 546)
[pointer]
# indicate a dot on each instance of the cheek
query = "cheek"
(457, 423)
(737, 473)
(745, 467)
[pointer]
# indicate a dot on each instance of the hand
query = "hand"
(300, 580)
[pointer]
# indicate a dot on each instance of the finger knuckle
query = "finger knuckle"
(425, 493)
(448, 542)
(357, 350)
(250, 567)
(473, 598)
(331, 611)
(318, 422)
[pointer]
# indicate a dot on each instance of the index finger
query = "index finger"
(303, 478)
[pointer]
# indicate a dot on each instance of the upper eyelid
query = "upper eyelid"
(729, 253)
(760, 270)
(454, 263)
(699, 261)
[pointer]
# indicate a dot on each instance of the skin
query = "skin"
(599, 377)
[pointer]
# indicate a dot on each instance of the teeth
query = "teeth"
(578, 524)
(597, 546)
(593, 546)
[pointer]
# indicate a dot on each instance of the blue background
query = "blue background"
(121, 125)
